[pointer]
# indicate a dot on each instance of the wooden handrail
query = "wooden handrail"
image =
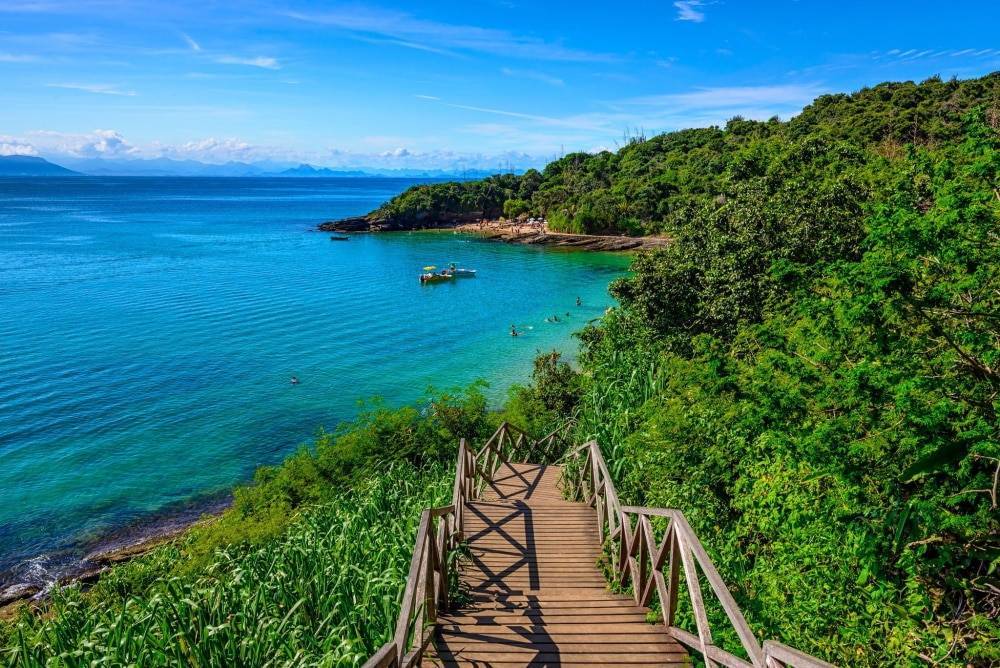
(440, 532)
(654, 567)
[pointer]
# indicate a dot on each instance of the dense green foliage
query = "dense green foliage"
(811, 372)
(656, 185)
(541, 406)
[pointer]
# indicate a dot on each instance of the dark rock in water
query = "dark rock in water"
(18, 592)
(419, 221)
(355, 224)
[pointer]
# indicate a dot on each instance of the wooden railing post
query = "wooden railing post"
(673, 578)
(638, 558)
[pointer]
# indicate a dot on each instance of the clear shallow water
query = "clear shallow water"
(149, 327)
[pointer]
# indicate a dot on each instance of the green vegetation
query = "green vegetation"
(306, 568)
(657, 185)
(811, 370)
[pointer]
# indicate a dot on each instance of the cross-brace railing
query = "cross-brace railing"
(441, 531)
(654, 566)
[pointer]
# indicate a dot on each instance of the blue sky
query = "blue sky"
(432, 84)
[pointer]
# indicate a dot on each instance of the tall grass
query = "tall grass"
(611, 409)
(326, 593)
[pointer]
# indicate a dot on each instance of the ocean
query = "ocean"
(149, 328)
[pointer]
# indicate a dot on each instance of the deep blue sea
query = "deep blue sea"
(149, 328)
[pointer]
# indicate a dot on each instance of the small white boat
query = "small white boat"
(463, 272)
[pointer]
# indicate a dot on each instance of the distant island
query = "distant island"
(29, 165)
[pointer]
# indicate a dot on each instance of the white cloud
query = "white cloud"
(95, 144)
(217, 150)
(533, 75)
(687, 11)
(17, 58)
(100, 89)
(409, 31)
(15, 146)
(396, 153)
(105, 143)
(427, 97)
(195, 46)
(259, 61)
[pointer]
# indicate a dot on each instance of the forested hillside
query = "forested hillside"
(811, 370)
(654, 185)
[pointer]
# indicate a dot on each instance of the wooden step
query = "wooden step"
(534, 593)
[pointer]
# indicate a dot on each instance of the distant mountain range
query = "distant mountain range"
(29, 165)
(17, 165)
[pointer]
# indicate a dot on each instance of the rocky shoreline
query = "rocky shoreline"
(127, 543)
(501, 230)
(590, 242)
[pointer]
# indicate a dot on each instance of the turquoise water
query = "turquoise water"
(149, 328)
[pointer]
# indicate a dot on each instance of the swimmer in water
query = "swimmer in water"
(513, 330)
(295, 380)
(578, 302)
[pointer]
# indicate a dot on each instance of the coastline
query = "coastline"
(82, 560)
(86, 561)
(506, 231)
(525, 234)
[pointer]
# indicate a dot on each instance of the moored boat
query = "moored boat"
(338, 237)
(436, 278)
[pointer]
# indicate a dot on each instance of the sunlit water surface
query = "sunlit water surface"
(149, 328)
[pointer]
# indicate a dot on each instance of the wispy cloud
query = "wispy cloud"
(580, 121)
(533, 75)
(412, 32)
(687, 10)
(31, 7)
(195, 46)
(259, 61)
(427, 97)
(99, 89)
(910, 55)
(655, 113)
(733, 97)
(17, 58)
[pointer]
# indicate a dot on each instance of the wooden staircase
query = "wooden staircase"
(526, 564)
(536, 596)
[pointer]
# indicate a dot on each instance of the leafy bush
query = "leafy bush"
(513, 208)
(549, 400)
